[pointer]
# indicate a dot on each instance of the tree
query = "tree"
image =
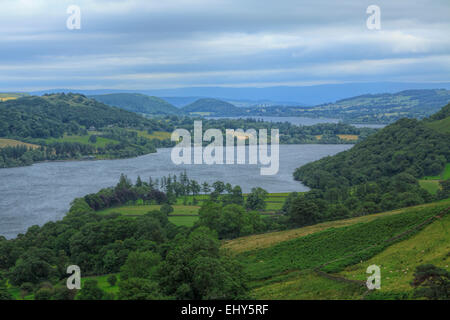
(93, 138)
(112, 280)
(445, 189)
(43, 294)
(139, 289)
(218, 187)
(256, 199)
(206, 188)
(194, 269)
(90, 291)
(431, 282)
(166, 209)
(303, 212)
(140, 265)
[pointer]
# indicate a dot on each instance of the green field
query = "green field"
(101, 141)
(285, 270)
(442, 125)
(12, 143)
(158, 135)
(432, 186)
(398, 262)
(187, 215)
(137, 210)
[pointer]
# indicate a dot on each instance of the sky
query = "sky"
(156, 44)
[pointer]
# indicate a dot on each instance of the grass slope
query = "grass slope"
(13, 143)
(398, 262)
(284, 270)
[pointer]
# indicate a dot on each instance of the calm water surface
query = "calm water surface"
(43, 192)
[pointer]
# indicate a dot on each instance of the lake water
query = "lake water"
(42, 192)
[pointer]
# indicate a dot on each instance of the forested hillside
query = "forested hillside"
(379, 173)
(139, 103)
(71, 126)
(211, 107)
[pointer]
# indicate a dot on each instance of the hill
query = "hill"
(56, 114)
(138, 103)
(292, 268)
(369, 108)
(211, 107)
(72, 126)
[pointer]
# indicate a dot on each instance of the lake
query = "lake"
(42, 192)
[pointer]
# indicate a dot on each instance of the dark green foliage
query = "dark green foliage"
(444, 193)
(379, 173)
(139, 103)
(90, 291)
(166, 209)
(256, 199)
(112, 280)
(230, 221)
(139, 289)
(431, 282)
(407, 146)
(140, 265)
(213, 106)
(194, 269)
(44, 294)
(303, 212)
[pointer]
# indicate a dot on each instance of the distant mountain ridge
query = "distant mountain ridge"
(305, 95)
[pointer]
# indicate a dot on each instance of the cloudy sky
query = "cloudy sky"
(152, 44)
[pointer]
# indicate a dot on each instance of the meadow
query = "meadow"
(185, 212)
(13, 143)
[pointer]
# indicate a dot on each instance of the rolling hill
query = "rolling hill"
(211, 107)
(380, 108)
(56, 114)
(139, 103)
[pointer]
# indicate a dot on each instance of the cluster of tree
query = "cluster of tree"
(431, 282)
(154, 258)
(378, 174)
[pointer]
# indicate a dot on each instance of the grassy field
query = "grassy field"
(13, 143)
(187, 221)
(158, 135)
(349, 137)
(305, 285)
(186, 215)
(398, 262)
(101, 141)
(260, 241)
(432, 186)
(440, 125)
(281, 264)
(143, 209)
